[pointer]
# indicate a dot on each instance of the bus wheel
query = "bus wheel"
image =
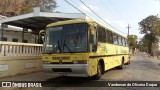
(129, 61)
(122, 64)
(99, 72)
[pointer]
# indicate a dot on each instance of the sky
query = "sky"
(118, 13)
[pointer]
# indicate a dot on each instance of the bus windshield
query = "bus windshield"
(67, 38)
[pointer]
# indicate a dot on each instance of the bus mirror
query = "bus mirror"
(40, 40)
(92, 30)
(41, 37)
(92, 34)
(42, 32)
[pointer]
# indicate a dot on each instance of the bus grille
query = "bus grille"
(62, 70)
(61, 63)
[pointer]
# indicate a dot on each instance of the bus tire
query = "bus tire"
(122, 64)
(129, 61)
(99, 72)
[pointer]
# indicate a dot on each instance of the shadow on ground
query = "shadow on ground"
(64, 81)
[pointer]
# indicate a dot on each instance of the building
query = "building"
(14, 34)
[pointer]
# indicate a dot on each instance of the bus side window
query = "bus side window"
(115, 39)
(110, 37)
(126, 43)
(101, 34)
(123, 41)
(120, 40)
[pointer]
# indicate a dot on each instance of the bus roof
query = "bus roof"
(69, 22)
(81, 21)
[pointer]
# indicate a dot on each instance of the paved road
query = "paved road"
(141, 68)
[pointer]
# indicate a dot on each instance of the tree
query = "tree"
(5, 7)
(144, 43)
(24, 6)
(50, 4)
(150, 26)
(132, 41)
(27, 5)
(142, 46)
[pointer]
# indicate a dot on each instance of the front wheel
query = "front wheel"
(99, 72)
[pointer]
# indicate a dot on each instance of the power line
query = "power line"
(74, 6)
(91, 3)
(117, 11)
(99, 16)
(77, 9)
(92, 12)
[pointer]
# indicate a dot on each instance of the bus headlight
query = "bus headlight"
(46, 62)
(80, 62)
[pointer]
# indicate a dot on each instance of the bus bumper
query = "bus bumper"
(75, 70)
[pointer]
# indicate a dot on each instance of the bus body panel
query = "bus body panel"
(76, 70)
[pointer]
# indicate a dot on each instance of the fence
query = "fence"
(20, 49)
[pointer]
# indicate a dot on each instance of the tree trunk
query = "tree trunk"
(149, 49)
(150, 45)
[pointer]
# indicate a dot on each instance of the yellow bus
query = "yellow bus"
(82, 48)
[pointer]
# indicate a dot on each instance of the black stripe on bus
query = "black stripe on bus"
(107, 55)
(61, 63)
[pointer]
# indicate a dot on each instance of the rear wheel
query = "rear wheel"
(99, 72)
(128, 63)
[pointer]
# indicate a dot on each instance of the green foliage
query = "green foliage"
(143, 45)
(150, 26)
(29, 4)
(132, 40)
(50, 4)
(24, 6)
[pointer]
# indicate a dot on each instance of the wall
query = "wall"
(11, 65)
(19, 58)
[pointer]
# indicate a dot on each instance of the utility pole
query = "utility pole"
(128, 38)
(128, 29)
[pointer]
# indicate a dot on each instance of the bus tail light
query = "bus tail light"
(80, 62)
